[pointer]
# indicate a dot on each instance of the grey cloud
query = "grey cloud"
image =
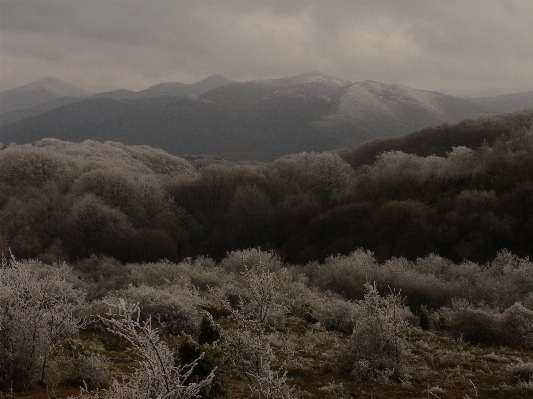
(453, 46)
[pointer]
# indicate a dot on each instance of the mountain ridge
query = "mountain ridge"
(255, 120)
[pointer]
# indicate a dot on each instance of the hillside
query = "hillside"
(257, 120)
(50, 93)
(169, 89)
(441, 139)
(507, 102)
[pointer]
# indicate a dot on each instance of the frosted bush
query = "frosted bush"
(513, 326)
(38, 310)
(432, 281)
(378, 346)
(346, 275)
(100, 274)
(247, 351)
(520, 372)
(174, 307)
(333, 313)
(158, 273)
(270, 384)
(236, 261)
(260, 292)
(80, 368)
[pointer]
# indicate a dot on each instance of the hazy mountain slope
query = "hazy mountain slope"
(182, 89)
(120, 94)
(169, 89)
(507, 102)
(259, 120)
(39, 92)
(19, 114)
(87, 119)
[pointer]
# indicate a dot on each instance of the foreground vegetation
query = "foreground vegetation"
(253, 326)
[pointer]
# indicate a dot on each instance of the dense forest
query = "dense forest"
(462, 191)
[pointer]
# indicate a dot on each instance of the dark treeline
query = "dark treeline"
(463, 192)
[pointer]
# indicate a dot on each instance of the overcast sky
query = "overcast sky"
(456, 47)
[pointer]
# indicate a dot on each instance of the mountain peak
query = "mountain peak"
(56, 86)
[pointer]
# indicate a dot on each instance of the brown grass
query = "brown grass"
(439, 366)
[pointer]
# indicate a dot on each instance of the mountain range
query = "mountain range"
(255, 120)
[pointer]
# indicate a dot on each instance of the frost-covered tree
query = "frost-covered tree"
(319, 175)
(37, 309)
(95, 228)
(378, 346)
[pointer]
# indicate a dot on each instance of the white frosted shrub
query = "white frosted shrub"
(334, 313)
(517, 325)
(38, 309)
(378, 345)
(271, 384)
(520, 372)
(432, 281)
(346, 275)
(512, 278)
(205, 273)
(80, 368)
(260, 292)
(236, 261)
(248, 351)
(158, 273)
(512, 327)
(174, 307)
(99, 275)
(265, 289)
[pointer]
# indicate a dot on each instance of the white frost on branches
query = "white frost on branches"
(157, 376)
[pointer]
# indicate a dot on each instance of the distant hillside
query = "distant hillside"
(39, 92)
(169, 89)
(507, 102)
(257, 120)
(17, 100)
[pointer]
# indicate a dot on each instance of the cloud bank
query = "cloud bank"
(456, 47)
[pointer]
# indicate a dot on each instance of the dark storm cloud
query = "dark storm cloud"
(457, 47)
